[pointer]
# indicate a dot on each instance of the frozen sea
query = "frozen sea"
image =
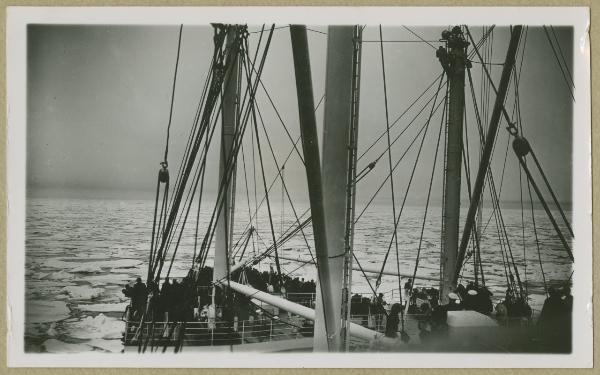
(80, 253)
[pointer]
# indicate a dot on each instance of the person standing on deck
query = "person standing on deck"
(177, 299)
(139, 296)
(552, 322)
(393, 320)
(165, 298)
(407, 289)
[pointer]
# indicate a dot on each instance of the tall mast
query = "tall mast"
(324, 316)
(351, 189)
(336, 136)
(489, 144)
(229, 125)
(453, 61)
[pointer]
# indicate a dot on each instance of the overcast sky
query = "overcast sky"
(99, 96)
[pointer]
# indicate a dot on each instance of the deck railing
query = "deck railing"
(213, 333)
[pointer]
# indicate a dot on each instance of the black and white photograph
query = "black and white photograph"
(413, 184)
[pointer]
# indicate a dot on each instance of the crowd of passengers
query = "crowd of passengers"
(191, 300)
(191, 297)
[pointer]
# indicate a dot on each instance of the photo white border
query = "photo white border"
(19, 17)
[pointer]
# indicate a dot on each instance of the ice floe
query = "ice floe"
(83, 292)
(57, 346)
(58, 263)
(52, 330)
(40, 311)
(98, 327)
(104, 307)
(118, 279)
(59, 275)
(113, 346)
(87, 268)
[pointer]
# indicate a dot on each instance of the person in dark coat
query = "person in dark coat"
(553, 308)
(177, 294)
(552, 323)
(393, 320)
(153, 300)
(166, 298)
(139, 296)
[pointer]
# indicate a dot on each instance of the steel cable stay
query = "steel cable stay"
(279, 117)
(200, 203)
(190, 198)
(487, 31)
(270, 249)
(210, 231)
(502, 227)
(173, 95)
(418, 36)
(250, 222)
(537, 241)
(191, 191)
(523, 231)
(213, 119)
(568, 81)
(389, 154)
(497, 214)
(564, 61)
(516, 79)
(259, 205)
(247, 195)
(181, 221)
(163, 231)
(199, 173)
(256, 133)
(522, 148)
(199, 176)
(520, 126)
(415, 138)
(372, 164)
(403, 113)
(207, 142)
(433, 168)
(493, 192)
(260, 157)
(509, 121)
(163, 175)
(445, 166)
(284, 185)
(219, 54)
(235, 149)
(487, 74)
(525, 147)
(209, 108)
(475, 240)
(397, 219)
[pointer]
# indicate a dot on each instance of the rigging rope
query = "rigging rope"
(403, 113)
(564, 61)
(173, 94)
(396, 165)
(283, 184)
(418, 36)
(249, 105)
(562, 71)
(414, 275)
(389, 154)
(259, 205)
(397, 219)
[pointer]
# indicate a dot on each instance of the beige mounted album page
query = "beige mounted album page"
(287, 187)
